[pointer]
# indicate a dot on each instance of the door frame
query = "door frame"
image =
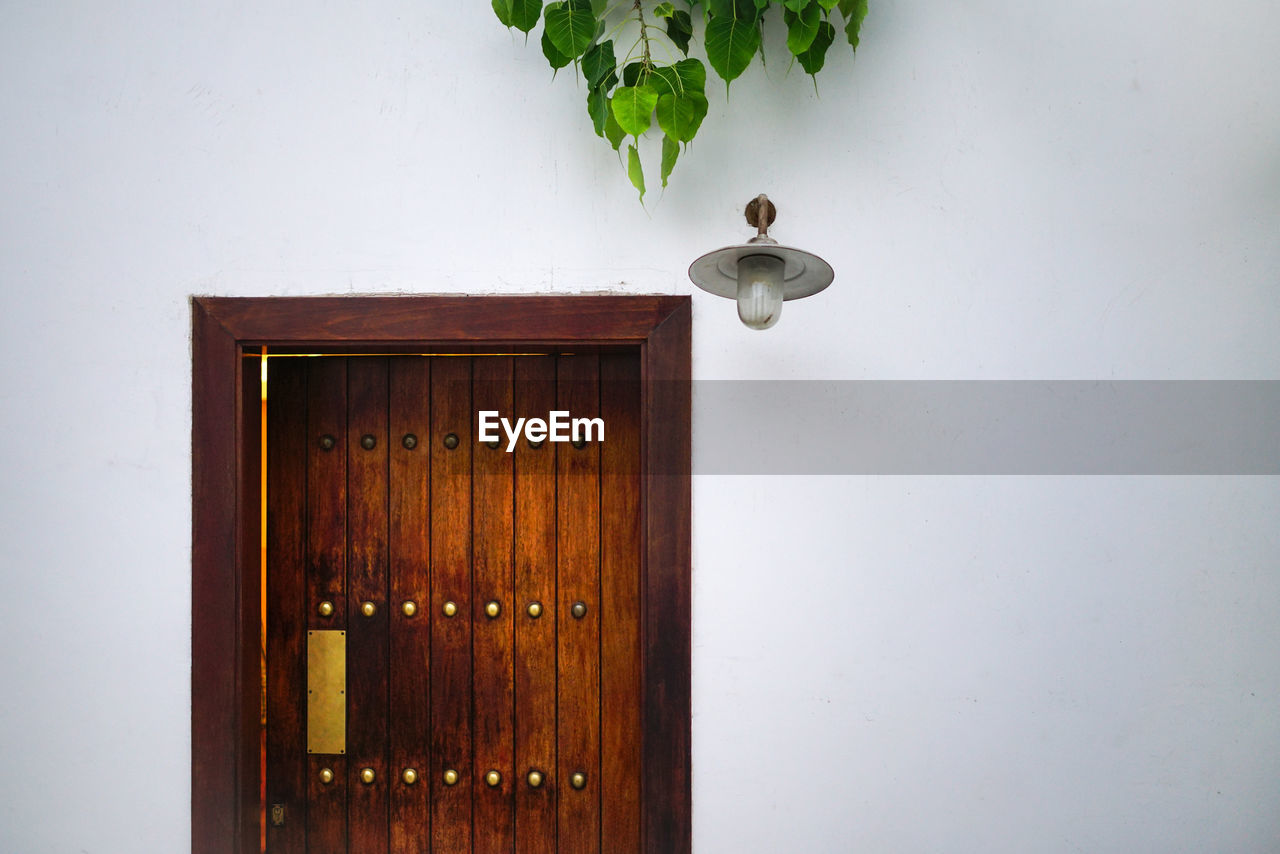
(226, 508)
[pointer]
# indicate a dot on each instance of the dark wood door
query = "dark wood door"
(485, 605)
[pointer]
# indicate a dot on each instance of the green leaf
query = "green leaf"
(634, 171)
(743, 9)
(524, 13)
(854, 11)
(680, 116)
(632, 73)
(598, 109)
(802, 27)
(828, 5)
(664, 10)
(598, 6)
(731, 42)
(687, 75)
(799, 5)
(680, 30)
(598, 63)
(570, 29)
(812, 59)
(633, 107)
(502, 8)
(670, 151)
(612, 131)
(557, 59)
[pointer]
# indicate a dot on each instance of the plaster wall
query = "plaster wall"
(913, 664)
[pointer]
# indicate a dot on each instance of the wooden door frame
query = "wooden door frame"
(225, 492)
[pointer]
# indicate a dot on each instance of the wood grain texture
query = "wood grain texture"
(535, 637)
(491, 515)
(451, 412)
(326, 579)
(327, 805)
(578, 641)
(249, 604)
(367, 636)
(286, 604)
(668, 793)
(218, 520)
(491, 319)
(326, 492)
(621, 735)
(410, 557)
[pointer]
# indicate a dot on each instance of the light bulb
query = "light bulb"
(760, 290)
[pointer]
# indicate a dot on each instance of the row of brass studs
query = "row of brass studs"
(492, 609)
(534, 778)
(410, 441)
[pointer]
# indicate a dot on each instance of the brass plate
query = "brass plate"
(326, 692)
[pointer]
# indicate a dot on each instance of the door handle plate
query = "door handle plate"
(326, 692)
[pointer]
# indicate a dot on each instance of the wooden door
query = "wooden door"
(487, 604)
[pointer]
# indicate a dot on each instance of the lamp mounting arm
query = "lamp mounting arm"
(761, 213)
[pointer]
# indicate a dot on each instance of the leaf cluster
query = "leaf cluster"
(634, 57)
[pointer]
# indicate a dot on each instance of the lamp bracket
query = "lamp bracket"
(761, 213)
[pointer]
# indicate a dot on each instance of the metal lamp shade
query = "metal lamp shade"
(804, 274)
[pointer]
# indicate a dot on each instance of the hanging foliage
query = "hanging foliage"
(634, 57)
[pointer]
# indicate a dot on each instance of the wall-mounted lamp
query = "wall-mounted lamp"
(760, 274)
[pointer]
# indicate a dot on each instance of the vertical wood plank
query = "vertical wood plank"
(620, 704)
(410, 725)
(218, 515)
(668, 785)
(367, 651)
(326, 573)
(249, 553)
(451, 413)
(578, 641)
(535, 637)
(286, 604)
(326, 806)
(491, 492)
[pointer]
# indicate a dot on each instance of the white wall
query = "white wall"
(1006, 190)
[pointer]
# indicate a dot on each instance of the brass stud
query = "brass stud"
(493, 778)
(535, 443)
(409, 776)
(326, 775)
(450, 777)
(325, 609)
(535, 609)
(327, 442)
(579, 610)
(367, 776)
(410, 441)
(368, 442)
(450, 608)
(494, 444)
(535, 779)
(578, 780)
(451, 440)
(409, 607)
(368, 608)
(579, 443)
(493, 609)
